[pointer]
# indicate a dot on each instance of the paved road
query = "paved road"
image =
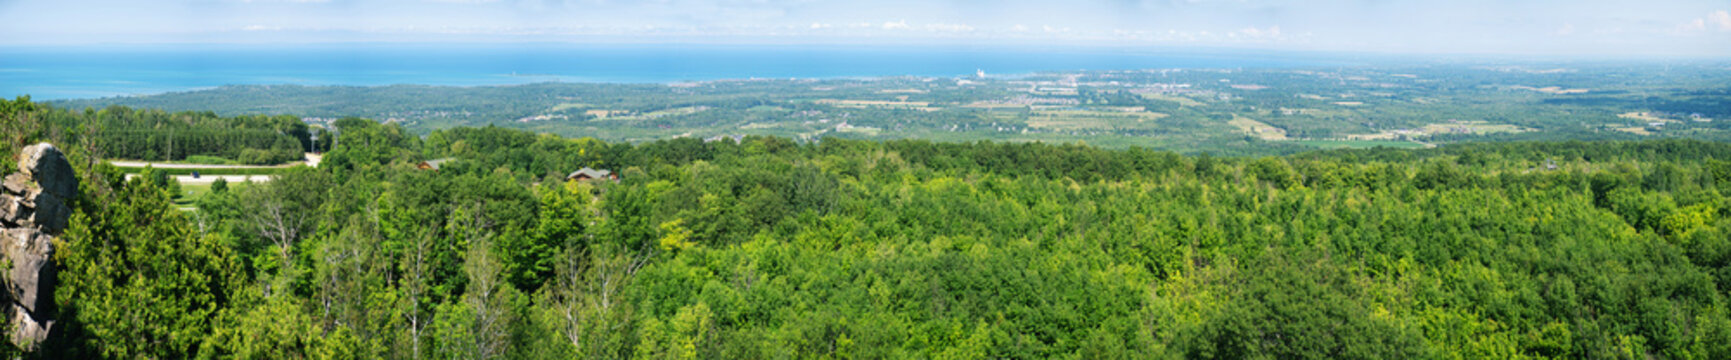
(311, 160)
(207, 179)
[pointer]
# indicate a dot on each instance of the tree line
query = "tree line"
(155, 135)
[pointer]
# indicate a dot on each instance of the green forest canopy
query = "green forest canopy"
(156, 135)
(905, 249)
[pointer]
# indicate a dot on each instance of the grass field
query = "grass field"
(1257, 128)
(567, 106)
(604, 113)
(1360, 144)
(1088, 119)
(1644, 116)
(190, 194)
(1473, 127)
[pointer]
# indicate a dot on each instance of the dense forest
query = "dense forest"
(201, 137)
(836, 248)
(159, 135)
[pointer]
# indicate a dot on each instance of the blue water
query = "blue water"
(49, 73)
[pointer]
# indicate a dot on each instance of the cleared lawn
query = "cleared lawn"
(567, 106)
(604, 113)
(866, 130)
(206, 171)
(1460, 127)
(1360, 144)
(1257, 128)
(1473, 127)
(1644, 116)
(191, 193)
(1085, 119)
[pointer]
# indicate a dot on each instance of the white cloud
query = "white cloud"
(949, 27)
(820, 26)
(1692, 26)
(261, 28)
(899, 25)
(1720, 18)
(1272, 32)
(1566, 30)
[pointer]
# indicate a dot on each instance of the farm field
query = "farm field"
(1193, 111)
(1361, 144)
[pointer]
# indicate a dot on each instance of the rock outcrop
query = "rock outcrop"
(33, 210)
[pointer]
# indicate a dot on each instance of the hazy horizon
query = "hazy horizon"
(1689, 28)
(85, 72)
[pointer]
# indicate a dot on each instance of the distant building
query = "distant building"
(587, 174)
(433, 164)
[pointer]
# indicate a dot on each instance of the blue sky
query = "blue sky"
(1545, 27)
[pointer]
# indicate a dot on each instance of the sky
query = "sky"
(1518, 27)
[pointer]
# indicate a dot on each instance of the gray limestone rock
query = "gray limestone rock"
(44, 163)
(33, 210)
(17, 183)
(28, 331)
(51, 213)
(11, 207)
(30, 281)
